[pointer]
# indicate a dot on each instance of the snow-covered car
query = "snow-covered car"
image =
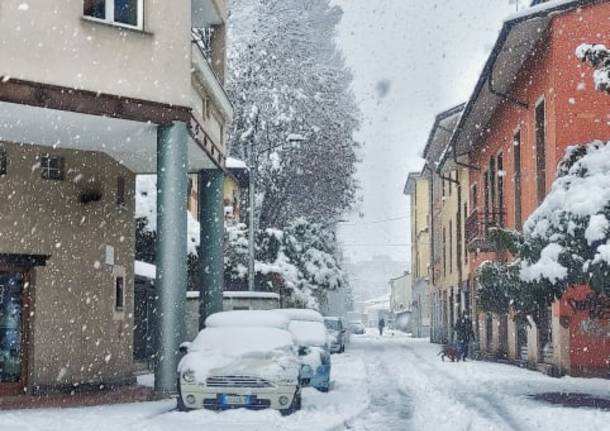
(337, 334)
(240, 367)
(357, 328)
(307, 327)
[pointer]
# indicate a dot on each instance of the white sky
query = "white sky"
(430, 54)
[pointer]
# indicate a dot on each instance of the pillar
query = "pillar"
(211, 256)
(171, 257)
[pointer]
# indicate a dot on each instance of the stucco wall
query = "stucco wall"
(50, 42)
(76, 334)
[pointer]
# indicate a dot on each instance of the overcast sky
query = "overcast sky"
(411, 59)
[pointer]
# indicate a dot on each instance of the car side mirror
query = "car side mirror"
(184, 347)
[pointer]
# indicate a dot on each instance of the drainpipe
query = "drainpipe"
(211, 262)
(171, 279)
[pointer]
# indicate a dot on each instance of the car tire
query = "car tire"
(180, 405)
(295, 406)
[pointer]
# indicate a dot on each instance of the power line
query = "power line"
(375, 245)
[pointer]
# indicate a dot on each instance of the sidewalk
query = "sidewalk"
(119, 395)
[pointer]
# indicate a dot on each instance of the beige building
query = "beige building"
(96, 92)
(417, 188)
(448, 182)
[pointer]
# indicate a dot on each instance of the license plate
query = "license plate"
(234, 400)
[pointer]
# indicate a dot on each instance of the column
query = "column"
(211, 256)
(171, 258)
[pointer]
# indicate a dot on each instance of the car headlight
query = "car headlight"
(306, 369)
(188, 376)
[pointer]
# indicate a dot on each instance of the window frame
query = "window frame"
(517, 178)
(110, 17)
(3, 162)
(119, 294)
(121, 191)
(46, 172)
(540, 137)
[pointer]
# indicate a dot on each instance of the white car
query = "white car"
(233, 366)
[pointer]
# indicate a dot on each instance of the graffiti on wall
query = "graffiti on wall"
(598, 306)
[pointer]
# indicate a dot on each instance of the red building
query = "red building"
(533, 99)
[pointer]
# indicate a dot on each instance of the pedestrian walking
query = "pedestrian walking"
(465, 334)
(381, 326)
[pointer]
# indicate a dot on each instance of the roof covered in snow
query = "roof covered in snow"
(144, 269)
(519, 35)
(302, 314)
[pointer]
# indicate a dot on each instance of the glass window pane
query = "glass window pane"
(126, 12)
(11, 285)
(95, 8)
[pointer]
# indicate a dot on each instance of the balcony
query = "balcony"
(477, 227)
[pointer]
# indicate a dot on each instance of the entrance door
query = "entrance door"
(12, 342)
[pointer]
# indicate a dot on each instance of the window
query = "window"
(120, 192)
(3, 161)
(52, 167)
(119, 293)
(540, 152)
(517, 179)
(474, 197)
(444, 252)
(500, 185)
(464, 226)
(124, 12)
(450, 247)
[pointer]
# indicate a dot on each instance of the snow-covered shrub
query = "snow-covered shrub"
(565, 242)
(598, 56)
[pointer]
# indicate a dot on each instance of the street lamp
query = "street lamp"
(253, 167)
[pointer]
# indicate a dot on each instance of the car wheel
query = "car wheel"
(295, 406)
(180, 405)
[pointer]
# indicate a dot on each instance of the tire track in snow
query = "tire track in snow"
(484, 403)
(391, 406)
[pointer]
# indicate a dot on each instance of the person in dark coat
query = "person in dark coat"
(465, 335)
(381, 326)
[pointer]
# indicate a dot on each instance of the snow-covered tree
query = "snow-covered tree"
(565, 242)
(300, 263)
(289, 83)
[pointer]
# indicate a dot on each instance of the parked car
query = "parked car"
(337, 334)
(309, 331)
(237, 366)
(357, 328)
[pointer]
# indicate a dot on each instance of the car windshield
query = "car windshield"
(309, 333)
(332, 324)
(239, 341)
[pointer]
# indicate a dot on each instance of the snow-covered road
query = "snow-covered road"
(387, 384)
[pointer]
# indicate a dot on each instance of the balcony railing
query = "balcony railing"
(478, 225)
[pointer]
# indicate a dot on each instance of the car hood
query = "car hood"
(271, 366)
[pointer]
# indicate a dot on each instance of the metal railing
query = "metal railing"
(479, 223)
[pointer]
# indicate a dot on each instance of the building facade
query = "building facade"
(534, 99)
(104, 94)
(417, 188)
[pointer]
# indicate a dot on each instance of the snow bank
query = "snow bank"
(247, 318)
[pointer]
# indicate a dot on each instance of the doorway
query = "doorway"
(14, 302)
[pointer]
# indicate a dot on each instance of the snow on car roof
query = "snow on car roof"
(238, 341)
(247, 319)
(303, 314)
(309, 333)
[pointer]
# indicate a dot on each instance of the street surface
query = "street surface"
(392, 383)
